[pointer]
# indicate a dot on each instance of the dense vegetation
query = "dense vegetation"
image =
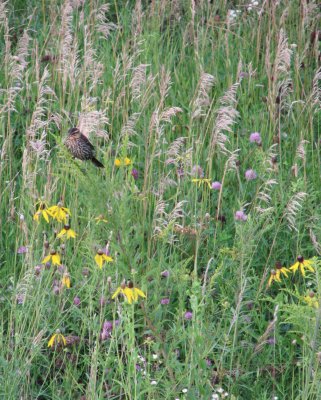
(205, 218)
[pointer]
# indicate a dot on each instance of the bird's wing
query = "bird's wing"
(83, 137)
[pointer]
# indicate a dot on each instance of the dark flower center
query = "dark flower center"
(300, 259)
(53, 252)
(66, 227)
(100, 252)
(130, 284)
(278, 265)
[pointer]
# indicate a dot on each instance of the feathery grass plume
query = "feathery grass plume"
(169, 113)
(38, 120)
(16, 68)
(39, 146)
(292, 209)
(178, 155)
(68, 46)
(92, 121)
(283, 55)
(128, 128)
(270, 330)
(264, 196)
(166, 223)
(165, 84)
(300, 151)
(138, 81)
(315, 96)
(163, 183)
(3, 12)
(92, 69)
(314, 240)
(104, 27)
(137, 19)
(226, 117)
(201, 98)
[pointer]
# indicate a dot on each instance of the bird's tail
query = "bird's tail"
(97, 163)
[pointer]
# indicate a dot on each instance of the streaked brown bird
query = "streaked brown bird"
(80, 147)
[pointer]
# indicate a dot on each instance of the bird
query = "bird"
(80, 147)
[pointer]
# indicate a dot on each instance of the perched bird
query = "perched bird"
(80, 147)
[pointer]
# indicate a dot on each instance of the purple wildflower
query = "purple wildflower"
(38, 269)
(250, 174)
(22, 250)
(240, 216)
(165, 274)
(102, 301)
(76, 301)
(164, 301)
(134, 173)
(216, 185)
(188, 315)
(255, 137)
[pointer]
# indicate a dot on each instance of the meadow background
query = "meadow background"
(178, 87)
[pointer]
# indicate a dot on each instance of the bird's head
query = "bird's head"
(73, 131)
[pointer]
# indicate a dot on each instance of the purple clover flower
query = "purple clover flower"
(188, 315)
(22, 250)
(164, 301)
(216, 185)
(165, 274)
(255, 137)
(240, 216)
(135, 173)
(250, 175)
(76, 301)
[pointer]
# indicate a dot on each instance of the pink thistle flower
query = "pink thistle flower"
(216, 185)
(255, 137)
(240, 216)
(250, 175)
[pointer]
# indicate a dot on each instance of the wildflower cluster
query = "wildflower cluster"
(62, 215)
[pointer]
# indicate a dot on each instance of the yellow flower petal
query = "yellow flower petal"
(140, 292)
(71, 234)
(61, 233)
(46, 259)
(56, 259)
(295, 266)
(270, 280)
(52, 340)
(36, 216)
(117, 162)
(118, 290)
(99, 260)
(107, 258)
(129, 294)
(45, 215)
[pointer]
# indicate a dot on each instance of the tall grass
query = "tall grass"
(177, 87)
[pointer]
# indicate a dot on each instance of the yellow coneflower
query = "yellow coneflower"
(120, 290)
(302, 264)
(42, 210)
(68, 232)
(101, 257)
(59, 213)
(130, 292)
(56, 339)
(277, 273)
(66, 280)
(311, 300)
(54, 257)
(120, 162)
(100, 218)
(201, 181)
